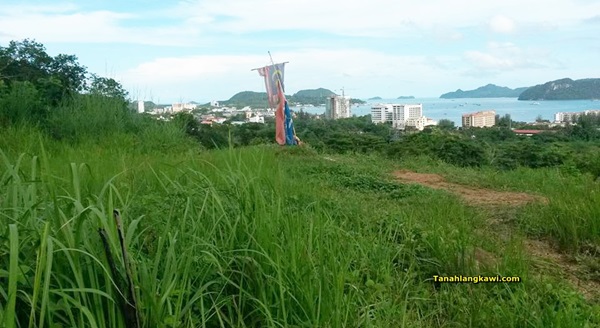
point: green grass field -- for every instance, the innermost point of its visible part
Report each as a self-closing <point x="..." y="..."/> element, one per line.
<point x="265" y="236"/>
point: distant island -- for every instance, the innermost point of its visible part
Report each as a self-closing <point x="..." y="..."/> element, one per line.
<point x="375" y="98"/>
<point x="313" y="97"/>
<point x="406" y="97"/>
<point x="564" y="89"/>
<point x="488" y="91"/>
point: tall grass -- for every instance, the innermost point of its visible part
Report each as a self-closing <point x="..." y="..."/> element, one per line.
<point x="572" y="215"/>
<point x="254" y="237"/>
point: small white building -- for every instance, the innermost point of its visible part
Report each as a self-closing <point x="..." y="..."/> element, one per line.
<point x="140" y="107"/>
<point x="256" y="119"/>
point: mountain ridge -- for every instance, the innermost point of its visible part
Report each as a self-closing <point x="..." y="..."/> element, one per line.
<point x="486" y="91"/>
<point x="313" y="97"/>
<point x="564" y="89"/>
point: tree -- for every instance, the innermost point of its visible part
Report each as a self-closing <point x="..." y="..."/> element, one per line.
<point x="447" y="125"/>
<point x="54" y="77"/>
<point x="504" y="121"/>
<point x="106" y="87"/>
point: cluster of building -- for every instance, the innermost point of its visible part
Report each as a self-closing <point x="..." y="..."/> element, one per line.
<point x="251" y="117"/>
<point x="173" y="109"/>
<point x="570" y="117"/>
<point x="401" y="116"/>
<point x="216" y="115"/>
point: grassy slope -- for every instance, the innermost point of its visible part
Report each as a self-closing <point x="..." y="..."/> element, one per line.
<point x="256" y="237"/>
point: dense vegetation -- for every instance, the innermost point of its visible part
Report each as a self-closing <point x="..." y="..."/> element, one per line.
<point x="222" y="228"/>
<point x="315" y="97"/>
<point x="487" y="91"/>
<point x="574" y="147"/>
<point x="564" y="89"/>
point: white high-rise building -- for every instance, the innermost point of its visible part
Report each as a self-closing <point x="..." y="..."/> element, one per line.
<point x="381" y="113"/>
<point x="406" y="115"/>
<point x="338" y="107"/>
<point x="140" y="108"/>
<point x="400" y="115"/>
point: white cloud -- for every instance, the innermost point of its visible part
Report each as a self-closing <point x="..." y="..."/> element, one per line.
<point x="361" y="72"/>
<point x="66" y="24"/>
<point x="502" y="24"/>
<point x="508" y="56"/>
<point x="383" y="17"/>
<point x="193" y="20"/>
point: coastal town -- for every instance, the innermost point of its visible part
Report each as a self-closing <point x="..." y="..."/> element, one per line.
<point x="401" y="116"/>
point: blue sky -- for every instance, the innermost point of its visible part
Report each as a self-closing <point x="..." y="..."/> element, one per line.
<point x="199" y="50"/>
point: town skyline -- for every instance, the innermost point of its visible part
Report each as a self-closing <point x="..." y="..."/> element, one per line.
<point x="202" y="51"/>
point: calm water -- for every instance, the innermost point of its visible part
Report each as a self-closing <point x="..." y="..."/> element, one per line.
<point x="452" y="109"/>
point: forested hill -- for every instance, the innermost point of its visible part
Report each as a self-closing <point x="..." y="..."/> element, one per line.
<point x="314" y="97"/>
<point x="487" y="91"/>
<point x="564" y="89"/>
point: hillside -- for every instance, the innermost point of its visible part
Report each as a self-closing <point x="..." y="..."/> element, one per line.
<point x="564" y="89"/>
<point x="246" y="98"/>
<point x="487" y="91"/>
<point x="313" y="97"/>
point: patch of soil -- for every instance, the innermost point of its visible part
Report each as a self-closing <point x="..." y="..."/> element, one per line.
<point x="545" y="257"/>
<point x="472" y="195"/>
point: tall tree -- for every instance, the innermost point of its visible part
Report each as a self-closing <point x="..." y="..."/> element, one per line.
<point x="54" y="77"/>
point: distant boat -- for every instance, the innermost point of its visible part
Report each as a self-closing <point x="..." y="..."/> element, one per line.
<point x="535" y="103"/>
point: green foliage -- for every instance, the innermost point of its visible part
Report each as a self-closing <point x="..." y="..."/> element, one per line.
<point x="21" y="103"/>
<point x="55" y="77"/>
<point x="446" y="125"/>
<point x="360" y="180"/>
<point x="451" y="148"/>
<point x="205" y="234"/>
<point x="35" y="88"/>
<point x="107" y="87"/>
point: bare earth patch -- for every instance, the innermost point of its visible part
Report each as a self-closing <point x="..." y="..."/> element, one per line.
<point x="472" y="195"/>
<point x="544" y="256"/>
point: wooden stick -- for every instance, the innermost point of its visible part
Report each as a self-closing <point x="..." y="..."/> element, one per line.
<point x="132" y="317"/>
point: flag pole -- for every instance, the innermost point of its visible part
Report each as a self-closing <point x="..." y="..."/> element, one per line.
<point x="283" y="91"/>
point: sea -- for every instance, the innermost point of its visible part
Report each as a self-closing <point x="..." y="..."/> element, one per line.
<point x="453" y="109"/>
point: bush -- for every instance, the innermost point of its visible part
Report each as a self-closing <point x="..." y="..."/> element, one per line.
<point x="21" y="103"/>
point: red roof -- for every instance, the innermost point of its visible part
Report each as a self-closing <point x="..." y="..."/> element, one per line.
<point x="528" y="131"/>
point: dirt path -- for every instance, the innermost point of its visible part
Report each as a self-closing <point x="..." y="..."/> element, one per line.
<point x="544" y="257"/>
<point x="472" y="195"/>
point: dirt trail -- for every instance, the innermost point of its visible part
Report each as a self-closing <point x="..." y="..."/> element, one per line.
<point x="472" y="195"/>
<point x="544" y="255"/>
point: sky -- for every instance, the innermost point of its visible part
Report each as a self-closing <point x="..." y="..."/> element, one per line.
<point x="203" y="50"/>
